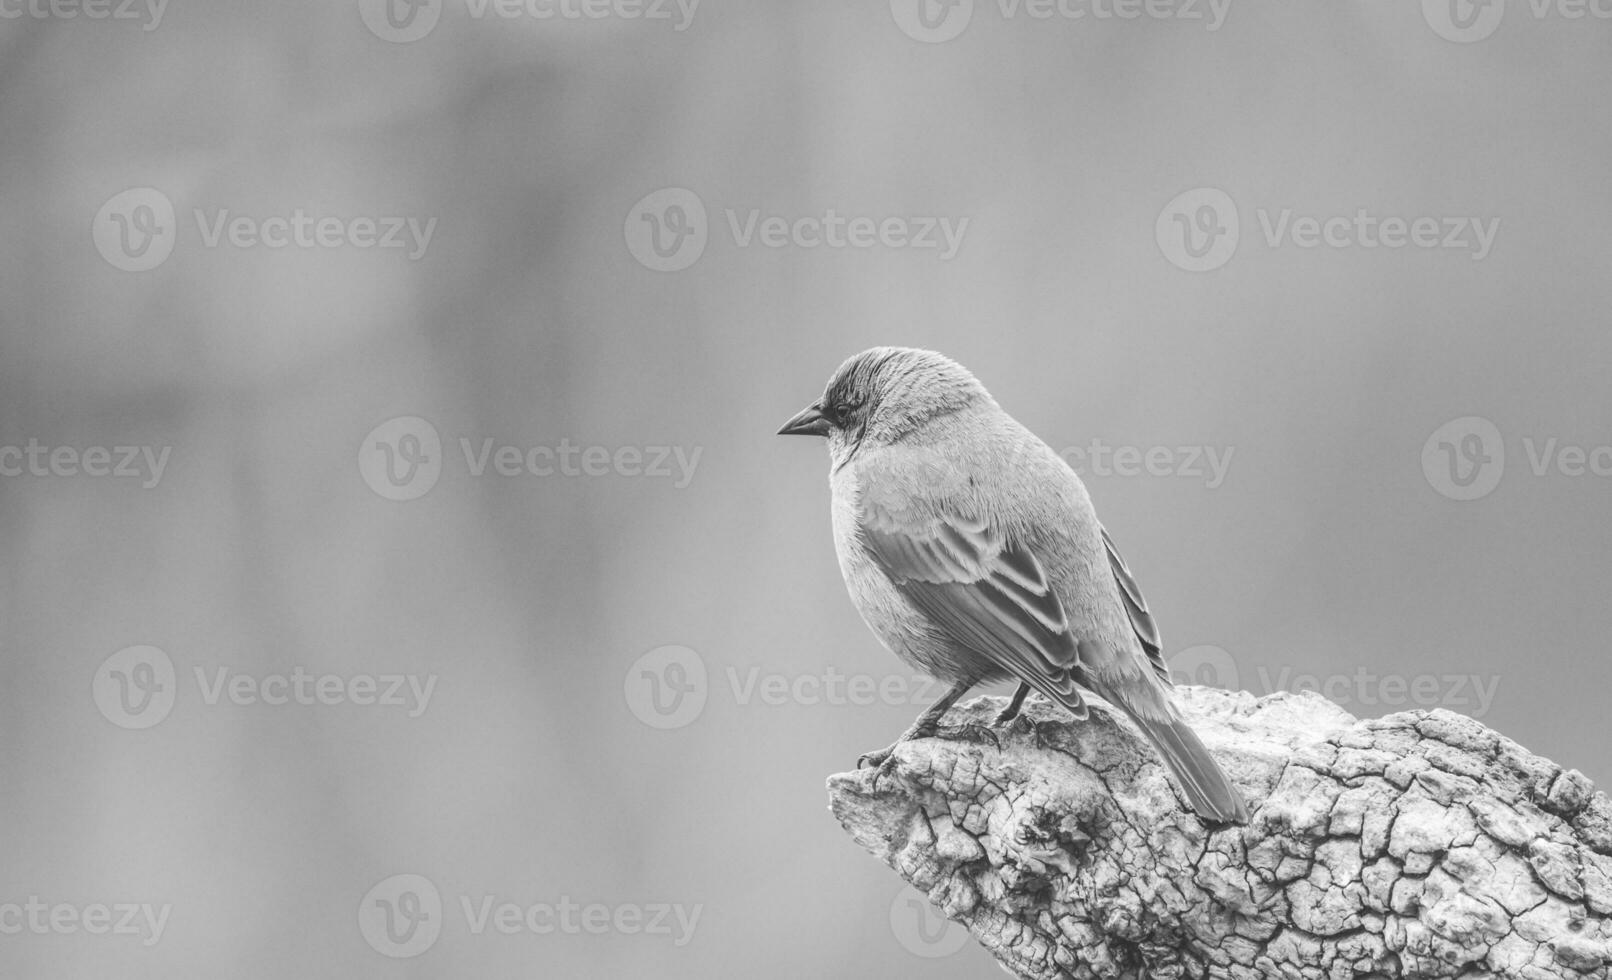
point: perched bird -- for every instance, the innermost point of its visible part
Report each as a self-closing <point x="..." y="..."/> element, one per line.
<point x="972" y="551"/>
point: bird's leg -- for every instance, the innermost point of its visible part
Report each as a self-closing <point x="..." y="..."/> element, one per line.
<point x="926" y="726"/>
<point x="1012" y="710"/>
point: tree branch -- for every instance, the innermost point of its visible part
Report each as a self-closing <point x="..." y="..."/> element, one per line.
<point x="1418" y="845"/>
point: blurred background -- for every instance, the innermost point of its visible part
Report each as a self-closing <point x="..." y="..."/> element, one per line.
<point x="316" y="265"/>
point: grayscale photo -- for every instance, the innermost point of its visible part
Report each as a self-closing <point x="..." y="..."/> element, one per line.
<point x="691" y="489"/>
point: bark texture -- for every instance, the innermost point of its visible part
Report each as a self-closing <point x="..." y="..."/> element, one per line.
<point x="1422" y="844"/>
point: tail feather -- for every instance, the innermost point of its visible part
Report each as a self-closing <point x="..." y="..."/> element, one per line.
<point x="1212" y="795"/>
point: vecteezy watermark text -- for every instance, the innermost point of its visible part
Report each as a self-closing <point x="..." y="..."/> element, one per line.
<point x="571" y="460"/>
<point x="302" y="230"/>
<point x="938" y="21"/>
<point x="137" y="687"/>
<point x="667" y="688"/>
<point x="143" y="463"/>
<point x="407" y="21"/>
<point x="1473" y="693"/>
<point x="1214" y="666"/>
<point x="403" y="916"/>
<point x="408" y="691"/>
<point x="137" y="230"/>
<point x="1200" y="231"/>
<point x="43" y="918"/>
<point x="1097" y="458"/>
<point x="574" y="918"/>
<point x="402" y="459"/>
<point x="147" y="12"/>
<point x="668" y="231"/>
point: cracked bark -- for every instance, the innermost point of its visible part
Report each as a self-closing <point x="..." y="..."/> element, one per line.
<point x="1422" y="844"/>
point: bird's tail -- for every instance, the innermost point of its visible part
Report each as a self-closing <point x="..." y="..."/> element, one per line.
<point x="1212" y="795"/>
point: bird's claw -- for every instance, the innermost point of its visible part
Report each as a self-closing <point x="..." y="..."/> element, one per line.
<point x="1006" y="718"/>
<point x="884" y="760"/>
<point x="1010" y="726"/>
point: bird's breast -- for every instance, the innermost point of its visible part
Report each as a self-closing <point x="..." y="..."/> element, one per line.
<point x="898" y="625"/>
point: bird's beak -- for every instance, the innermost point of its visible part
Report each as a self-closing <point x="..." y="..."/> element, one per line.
<point x="808" y="421"/>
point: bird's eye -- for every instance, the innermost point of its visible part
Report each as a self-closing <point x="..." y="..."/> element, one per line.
<point x="841" y="412"/>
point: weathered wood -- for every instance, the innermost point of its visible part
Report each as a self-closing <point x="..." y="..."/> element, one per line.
<point x="1422" y="844"/>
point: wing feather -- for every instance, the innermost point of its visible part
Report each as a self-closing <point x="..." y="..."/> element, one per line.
<point x="986" y="593"/>
<point x="1147" y="630"/>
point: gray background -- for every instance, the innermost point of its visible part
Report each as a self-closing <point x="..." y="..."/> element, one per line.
<point x="1326" y="550"/>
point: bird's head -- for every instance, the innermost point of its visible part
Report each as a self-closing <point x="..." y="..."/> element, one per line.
<point x="883" y="395"/>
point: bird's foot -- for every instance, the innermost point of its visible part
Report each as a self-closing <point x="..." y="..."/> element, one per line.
<point x="875" y="759"/>
<point x="884" y="759"/>
<point x="1010" y="711"/>
<point x="1005" y="718"/>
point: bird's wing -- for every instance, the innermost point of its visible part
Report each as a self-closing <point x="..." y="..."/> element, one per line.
<point x="1141" y="620"/>
<point x="985" y="592"/>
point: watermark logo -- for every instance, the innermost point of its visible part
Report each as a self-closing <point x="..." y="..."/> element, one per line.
<point x="1464" y="21"/>
<point x="667" y="230"/>
<point x="1464" y="459"/>
<point x="401" y="917"/>
<point x="932" y="21"/>
<point x="1199" y="230"/>
<point x="1471" y="21"/>
<point x="920" y="929"/>
<point x="1205" y="666"/>
<point x="667" y="688"/>
<point x="401" y="459"/>
<point x="136" y="230"/>
<point x="136" y="687"/>
<point x="400" y="21"/>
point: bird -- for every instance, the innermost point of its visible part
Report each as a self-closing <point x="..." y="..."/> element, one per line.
<point x="973" y="552"/>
